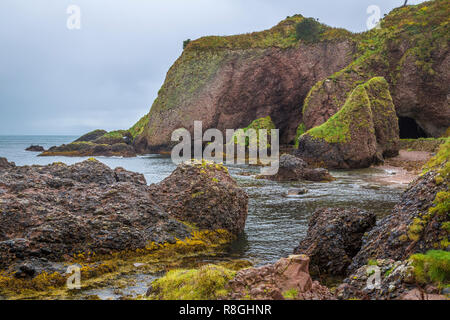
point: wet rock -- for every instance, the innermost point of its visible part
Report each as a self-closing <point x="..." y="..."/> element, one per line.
<point x="296" y="192"/>
<point x="203" y="193"/>
<point x="334" y="238"/>
<point x="287" y="279"/>
<point x="35" y="148"/>
<point x="293" y="168"/>
<point x="51" y="212"/>
<point x="4" y="164"/>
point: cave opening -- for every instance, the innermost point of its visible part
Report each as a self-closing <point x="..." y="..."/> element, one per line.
<point x="409" y="129"/>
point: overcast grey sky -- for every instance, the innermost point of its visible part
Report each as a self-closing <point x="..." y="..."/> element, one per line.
<point x="106" y="75"/>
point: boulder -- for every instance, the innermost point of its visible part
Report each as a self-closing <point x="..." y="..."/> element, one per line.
<point x="203" y="193"/>
<point x="334" y="238"/>
<point x="287" y="279"/>
<point x="4" y="164"/>
<point x="91" y="136"/>
<point x="363" y="131"/>
<point x="35" y="148"/>
<point x="293" y="168"/>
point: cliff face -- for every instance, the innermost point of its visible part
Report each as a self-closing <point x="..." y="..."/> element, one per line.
<point x="411" y="51"/>
<point x="227" y="82"/>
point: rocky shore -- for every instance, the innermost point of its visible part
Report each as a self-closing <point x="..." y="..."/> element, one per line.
<point x="88" y="213"/>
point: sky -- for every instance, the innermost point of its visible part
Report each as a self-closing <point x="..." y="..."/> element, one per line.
<point x="106" y="74"/>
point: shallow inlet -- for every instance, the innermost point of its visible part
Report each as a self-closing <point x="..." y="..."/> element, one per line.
<point x="275" y="224"/>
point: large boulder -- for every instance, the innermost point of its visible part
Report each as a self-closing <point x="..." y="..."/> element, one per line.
<point x="203" y="193"/>
<point x="334" y="238"/>
<point x="292" y="168"/>
<point x="287" y="279"/>
<point x="359" y="134"/>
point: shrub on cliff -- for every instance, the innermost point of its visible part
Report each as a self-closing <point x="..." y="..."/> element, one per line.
<point x="309" y="30"/>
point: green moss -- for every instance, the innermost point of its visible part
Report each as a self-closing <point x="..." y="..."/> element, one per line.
<point x="337" y="128"/>
<point x="139" y="127"/>
<point x="432" y="267"/>
<point x="290" y="294"/>
<point x="300" y="131"/>
<point x="441" y="204"/>
<point x="206" y="283"/>
<point x="258" y="124"/>
<point x="372" y="263"/>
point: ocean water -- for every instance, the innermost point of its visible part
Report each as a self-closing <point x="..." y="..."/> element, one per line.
<point x="275" y="223"/>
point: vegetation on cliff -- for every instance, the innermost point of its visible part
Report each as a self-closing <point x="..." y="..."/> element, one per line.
<point x="356" y="110"/>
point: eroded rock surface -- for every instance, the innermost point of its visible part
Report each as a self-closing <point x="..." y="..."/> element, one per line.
<point x="287" y="279"/>
<point x="204" y="194"/>
<point x="334" y="238"/>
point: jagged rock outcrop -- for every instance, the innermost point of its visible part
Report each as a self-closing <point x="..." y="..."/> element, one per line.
<point x="334" y="238"/>
<point x="101" y="143"/>
<point x="418" y="223"/>
<point x="287" y="279"/>
<point x="363" y="131"/>
<point x="411" y="51"/>
<point x="204" y="194"/>
<point x="54" y="212"/>
<point x="292" y="168"/>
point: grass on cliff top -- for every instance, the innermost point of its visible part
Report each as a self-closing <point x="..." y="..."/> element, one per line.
<point x="206" y="283"/>
<point x="286" y="34"/>
<point x="337" y="128"/>
<point x="434" y="267"/>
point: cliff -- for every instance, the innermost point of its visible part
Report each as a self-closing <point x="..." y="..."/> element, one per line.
<point x="227" y="82"/>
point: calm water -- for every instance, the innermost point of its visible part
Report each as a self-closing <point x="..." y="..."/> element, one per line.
<point x="275" y="223"/>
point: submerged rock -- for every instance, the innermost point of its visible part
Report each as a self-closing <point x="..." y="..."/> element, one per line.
<point x="287" y="279"/>
<point x="293" y="168"/>
<point x="35" y="148"/>
<point x="334" y="238"/>
<point x="203" y="193"/>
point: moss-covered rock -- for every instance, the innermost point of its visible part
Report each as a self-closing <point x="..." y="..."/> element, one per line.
<point x="258" y="124"/>
<point x="363" y="131"/>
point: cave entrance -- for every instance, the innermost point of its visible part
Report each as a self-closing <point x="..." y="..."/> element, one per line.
<point x="409" y="129"/>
